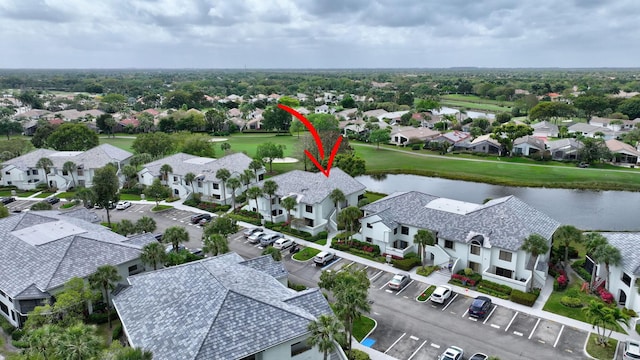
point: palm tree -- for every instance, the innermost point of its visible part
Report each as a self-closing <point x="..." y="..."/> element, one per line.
<point x="69" y="167"/>
<point x="422" y="238"/>
<point x="609" y="255"/>
<point x="129" y="173"/>
<point x="349" y="305"/>
<point x="45" y="164"/>
<point x="255" y="165"/>
<point x="153" y="254"/>
<point x="224" y="175"/>
<point x="174" y="236"/>
<point x="215" y="244"/>
<point x="246" y="177"/>
<point x="324" y="333"/>
<point x="146" y="225"/>
<point x="165" y="170"/>
<point x="593" y="241"/>
<point x="600" y="315"/>
<point x="254" y="193"/>
<point x="234" y="184"/>
<point x="348" y="219"/>
<point x="535" y="245"/>
<point x="288" y="204"/>
<point x="104" y="279"/>
<point x="86" y="195"/>
<point x="189" y="178"/>
<point x="269" y="188"/>
<point x="275" y="253"/>
<point x="337" y="196"/>
<point x="567" y="235"/>
<point x="128" y="353"/>
<point x="79" y="342"/>
<point x="126" y="227"/>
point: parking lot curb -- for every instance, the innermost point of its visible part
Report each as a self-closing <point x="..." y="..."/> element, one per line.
<point x="375" y="325"/>
<point x="584" y="349"/>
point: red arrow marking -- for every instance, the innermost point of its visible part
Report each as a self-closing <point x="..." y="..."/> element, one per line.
<point x="316" y="138"/>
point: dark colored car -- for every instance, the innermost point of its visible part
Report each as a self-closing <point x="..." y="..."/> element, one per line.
<point x="480" y="307"/>
<point x="52" y="200"/>
<point x="294" y="248"/>
<point x="195" y="219"/>
<point x="7" y="200"/>
<point x="479" y="356"/>
<point x="158" y="237"/>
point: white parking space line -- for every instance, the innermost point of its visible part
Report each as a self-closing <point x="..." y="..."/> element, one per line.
<point x="534" y="329"/>
<point x="435" y="345"/>
<point x="418" y="349"/>
<point x="375" y="276"/>
<point x="184" y="218"/>
<point x="331" y="264"/>
<point x="346" y="266"/>
<point x="414" y="338"/>
<point x="394" y="344"/>
<point x="511" y="322"/>
<point x="495" y="326"/>
<point x="383" y="286"/>
<point x="406" y="286"/>
<point x="491" y="313"/>
<point x="450" y="301"/>
<point x="518" y="333"/>
<point x="558" y="338"/>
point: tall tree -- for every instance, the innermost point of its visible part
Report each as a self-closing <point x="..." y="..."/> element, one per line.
<point x="602" y="316"/>
<point x="215" y="244"/>
<point x="567" y="235"/>
<point x="255" y="165"/>
<point x="223" y="225"/>
<point x="70" y="167"/>
<point x="609" y="255"/>
<point x="146" y="225"/>
<point x="156" y="144"/>
<point x="165" y="170"/>
<point x="275" y="118"/>
<point x="254" y="193"/>
<point x="73" y="137"/>
<point x="175" y="235"/>
<point x="325" y="332"/>
<point x="592" y="243"/>
<point x="593" y="150"/>
<point x="337" y="196"/>
<point x="268" y="152"/>
<point x="223" y="175"/>
<point x="591" y="105"/>
<point x="45" y="164"/>
<point x="153" y="254"/>
<point x="189" y="178"/>
<point x="157" y="191"/>
<point x="507" y="133"/>
<point x="126" y="227"/>
<point x="105" y="279"/>
<point x="105" y="187"/>
<point x="234" y="183"/>
<point x="348" y="219"/>
<point x="9" y="127"/>
<point x="379" y="136"/>
<point x="535" y="245"/>
<point x="423" y="238"/>
<point x="246" y="176"/>
<point x="269" y="188"/>
<point x="288" y="204"/>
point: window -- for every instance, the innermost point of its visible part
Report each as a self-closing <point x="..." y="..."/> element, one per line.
<point x="4" y="308"/>
<point x="448" y="244"/>
<point x="308" y="222"/>
<point x="80" y="172"/>
<point x="199" y="183"/>
<point x="8" y="173"/>
<point x="299" y="348"/>
<point x="504" y="272"/>
<point x="13" y="315"/>
<point x="3" y="294"/>
<point x="399" y="244"/>
<point x="274" y="201"/>
<point x="404" y="230"/>
<point x="626" y="279"/>
<point x="474" y="266"/>
<point x="309" y="209"/>
<point x="65" y="172"/>
<point x="34" y="172"/>
<point x="395" y="231"/>
<point x="369" y="226"/>
<point x="133" y="269"/>
<point x="175" y="178"/>
<point x="8" y="182"/>
<point x="216" y="196"/>
<point x="260" y="177"/>
<point x="368" y="239"/>
<point x="474" y="249"/>
<point x="176" y="192"/>
<point x="505" y="256"/>
<point x="216" y="186"/>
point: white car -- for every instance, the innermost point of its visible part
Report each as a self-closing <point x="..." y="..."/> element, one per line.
<point x="452" y="353"/>
<point x="256" y="236"/>
<point x="123" y="205"/>
<point x="283" y="243"/>
<point x="441" y="294"/>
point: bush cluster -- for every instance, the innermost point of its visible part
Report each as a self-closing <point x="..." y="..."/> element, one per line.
<point x="561" y="282"/>
<point x="347" y="245"/>
<point x="427" y="270"/>
<point x="572" y="302"/>
<point x="495" y="289"/>
<point x="101" y="318"/>
<point x="406" y="264"/>
<point x="464" y="279"/>
<point x="578" y="267"/>
<point x="359" y="355"/>
<point x="524" y="298"/>
<point x="117" y="332"/>
<point x="606" y="296"/>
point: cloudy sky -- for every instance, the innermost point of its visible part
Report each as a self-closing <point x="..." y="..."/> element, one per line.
<point x="318" y="33"/>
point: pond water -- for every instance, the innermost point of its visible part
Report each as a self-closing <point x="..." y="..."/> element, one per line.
<point x="585" y="209"/>
<point x="470" y="113"/>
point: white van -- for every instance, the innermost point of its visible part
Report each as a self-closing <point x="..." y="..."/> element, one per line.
<point x="324" y="257"/>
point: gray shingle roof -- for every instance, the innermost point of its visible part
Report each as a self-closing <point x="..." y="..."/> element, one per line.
<point x="44" y="249"/>
<point x="216" y="308"/>
<point x="266" y="265"/>
<point x="96" y="157"/>
<point x="182" y="164"/>
<point x="315" y="187"/>
<point x="629" y="245"/>
<point x="504" y="222"/>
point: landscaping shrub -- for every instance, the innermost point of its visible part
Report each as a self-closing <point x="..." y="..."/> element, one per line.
<point x="101" y="318"/>
<point x="578" y="267"/>
<point x="464" y="280"/>
<point x="561" y="282"/>
<point x="573" y="252"/>
<point x="17" y="334"/>
<point x="321" y="235"/>
<point x="494" y="288"/>
<point x="572" y="302"/>
<point x="20" y="344"/>
<point x="523" y="298"/>
<point x="296" y="287"/>
<point x="605" y="296"/>
<point x="359" y="355"/>
<point x="427" y="270"/>
<point x="416" y="147"/>
<point x="406" y="264"/>
<point x="136" y="190"/>
<point x="342" y="235"/>
<point x="629" y="312"/>
<point x="347" y="245"/>
<point x="172" y="199"/>
<point x="117" y="332"/>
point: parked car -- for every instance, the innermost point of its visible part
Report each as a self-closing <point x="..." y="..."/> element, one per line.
<point x="169" y="248"/>
<point x="631" y="350"/>
<point x="255" y="237"/>
<point x="204" y="222"/>
<point x="480" y="307"/>
<point x="197" y="251"/>
<point x="324" y="257"/>
<point x="399" y="281"/>
<point x="452" y="353"/>
<point x="251" y="231"/>
<point x="283" y="243"/>
<point x="195" y="219"/>
<point x="269" y="239"/>
<point x="123" y="205"/>
<point x="7" y="200"/>
<point x="479" y="356"/>
<point x="441" y="294"/>
<point x="52" y="200"/>
<point x="583" y="165"/>
<point x="294" y="248"/>
<point x="158" y="237"/>
<point x="112" y="205"/>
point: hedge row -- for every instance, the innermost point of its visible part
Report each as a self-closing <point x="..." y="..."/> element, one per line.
<point x="101" y="318"/>
<point x="117" y="332"/>
<point x="578" y="267"/>
<point x="495" y="288"/>
<point x="571" y="302"/>
<point x="523" y="298"/>
<point x="407" y="263"/>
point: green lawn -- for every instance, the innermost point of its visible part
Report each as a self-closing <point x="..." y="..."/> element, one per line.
<point x="362" y="326"/>
<point x="599" y="352"/>
<point x="66" y="195"/>
<point x="161" y="208"/>
<point x="129" y="197"/>
<point x="122" y="143"/>
<point x="373" y="196"/>
<point x="43" y="195"/>
<point x="306" y="254"/>
<point x="476" y="99"/>
<point x="475" y="106"/>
